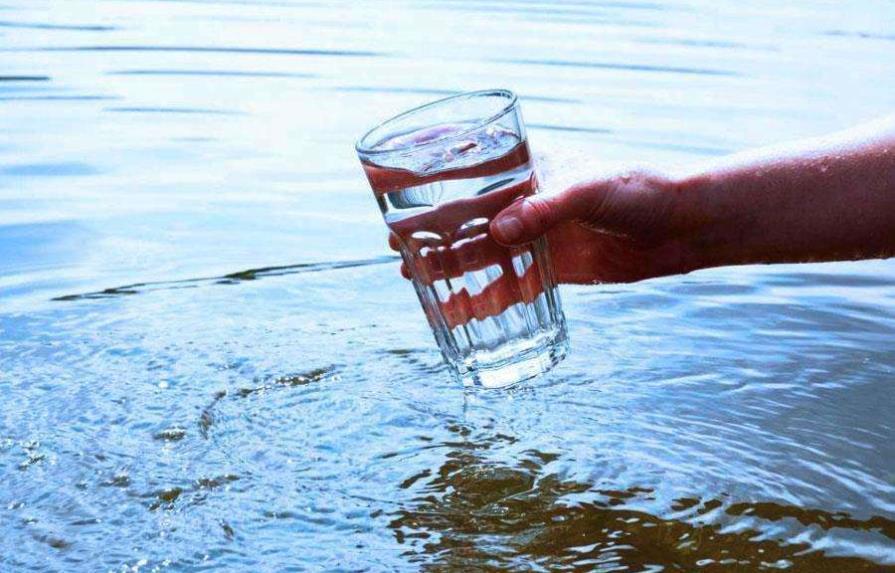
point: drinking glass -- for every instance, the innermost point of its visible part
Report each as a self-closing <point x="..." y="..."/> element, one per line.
<point x="440" y="173"/>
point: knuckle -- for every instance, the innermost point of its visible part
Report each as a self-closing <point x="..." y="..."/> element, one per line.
<point x="639" y="176"/>
<point x="540" y="209"/>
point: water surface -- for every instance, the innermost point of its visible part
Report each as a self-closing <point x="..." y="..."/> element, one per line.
<point x="208" y="360"/>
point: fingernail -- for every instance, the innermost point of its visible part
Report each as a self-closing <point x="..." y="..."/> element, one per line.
<point x="509" y="228"/>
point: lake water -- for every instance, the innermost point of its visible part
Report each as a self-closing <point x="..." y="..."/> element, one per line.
<point x="209" y="361"/>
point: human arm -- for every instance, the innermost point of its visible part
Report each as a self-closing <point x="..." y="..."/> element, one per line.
<point x="824" y="199"/>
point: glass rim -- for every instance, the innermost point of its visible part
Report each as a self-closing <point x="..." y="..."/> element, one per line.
<point x="510" y="105"/>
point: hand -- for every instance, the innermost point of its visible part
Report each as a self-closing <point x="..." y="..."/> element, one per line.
<point x="621" y="229"/>
<point x="819" y="200"/>
<point x="454" y="241"/>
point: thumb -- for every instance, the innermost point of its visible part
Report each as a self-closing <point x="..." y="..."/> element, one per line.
<point x="525" y="220"/>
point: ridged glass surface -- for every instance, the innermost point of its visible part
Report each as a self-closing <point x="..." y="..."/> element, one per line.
<point x="494" y="310"/>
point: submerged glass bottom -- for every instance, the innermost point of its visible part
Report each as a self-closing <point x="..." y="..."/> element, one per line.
<point x="515" y="362"/>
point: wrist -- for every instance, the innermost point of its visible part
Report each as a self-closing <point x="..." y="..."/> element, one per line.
<point x="713" y="230"/>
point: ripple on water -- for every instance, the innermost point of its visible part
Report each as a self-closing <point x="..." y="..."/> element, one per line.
<point x="233" y="376"/>
<point x="472" y="511"/>
<point x="55" y="169"/>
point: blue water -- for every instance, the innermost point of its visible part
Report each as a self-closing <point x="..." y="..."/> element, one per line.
<point x="209" y="362"/>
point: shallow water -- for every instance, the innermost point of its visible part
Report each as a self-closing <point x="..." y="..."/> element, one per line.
<point x="208" y="360"/>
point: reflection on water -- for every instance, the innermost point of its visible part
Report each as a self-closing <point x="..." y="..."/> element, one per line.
<point x="208" y="360"/>
<point x="471" y="514"/>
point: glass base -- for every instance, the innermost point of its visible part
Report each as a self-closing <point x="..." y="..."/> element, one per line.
<point x="513" y="363"/>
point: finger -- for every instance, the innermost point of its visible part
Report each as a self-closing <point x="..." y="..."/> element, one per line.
<point x="437" y="262"/>
<point x="495" y="298"/>
<point x="526" y="220"/>
<point x="394" y="242"/>
<point x="463" y="257"/>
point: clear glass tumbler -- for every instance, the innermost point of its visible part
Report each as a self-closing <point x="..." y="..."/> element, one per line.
<point x="440" y="173"/>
